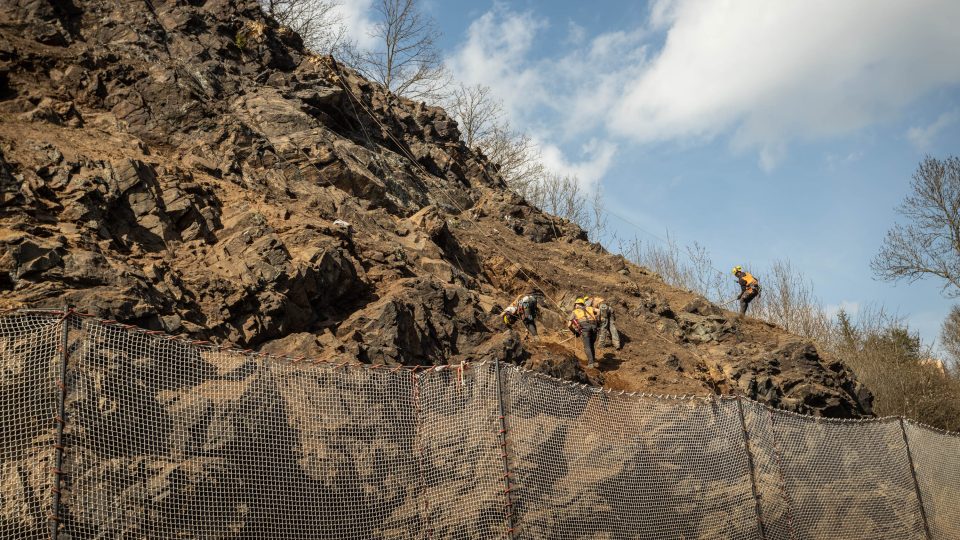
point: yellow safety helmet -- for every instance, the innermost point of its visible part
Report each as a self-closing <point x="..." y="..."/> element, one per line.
<point x="736" y="269"/>
<point x="581" y="300"/>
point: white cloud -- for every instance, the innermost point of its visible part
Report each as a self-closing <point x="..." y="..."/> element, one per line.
<point x="922" y="137"/>
<point x="834" y="161"/>
<point x="662" y="13"/>
<point x="596" y="157"/>
<point x="771" y="154"/>
<point x="759" y="74"/>
<point x="575" y="33"/>
<point x="771" y="72"/>
<point x="355" y="15"/>
<point x="556" y="99"/>
<point x="495" y="55"/>
<point x="585" y="82"/>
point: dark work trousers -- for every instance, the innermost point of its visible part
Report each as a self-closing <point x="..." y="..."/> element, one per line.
<point x="608" y="328"/>
<point x="588" y="332"/>
<point x="531" y="326"/>
<point x="529" y="314"/>
<point x="745" y="300"/>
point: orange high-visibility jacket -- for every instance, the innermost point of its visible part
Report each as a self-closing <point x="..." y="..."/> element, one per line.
<point x="747" y="281"/>
<point x="585" y="314"/>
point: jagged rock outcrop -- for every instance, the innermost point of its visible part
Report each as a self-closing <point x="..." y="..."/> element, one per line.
<point x="190" y="167"/>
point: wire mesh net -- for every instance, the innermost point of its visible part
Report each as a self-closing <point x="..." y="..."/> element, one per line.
<point x="846" y="479"/>
<point x="772" y="497"/>
<point x="168" y="439"/>
<point x="594" y="465"/>
<point x="460" y="454"/>
<point x="30" y="362"/>
<point x="174" y="441"/>
<point x="936" y="459"/>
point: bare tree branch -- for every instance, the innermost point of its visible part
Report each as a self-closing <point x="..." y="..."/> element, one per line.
<point x="476" y="111"/>
<point x="406" y="61"/>
<point x="929" y="245"/>
<point x="598" y="215"/>
<point x="316" y="21"/>
<point x="517" y="156"/>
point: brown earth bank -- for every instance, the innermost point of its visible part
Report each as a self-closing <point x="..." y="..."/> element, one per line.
<point x="181" y="165"/>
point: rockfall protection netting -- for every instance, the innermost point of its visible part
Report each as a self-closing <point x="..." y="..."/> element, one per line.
<point x="167" y="438"/>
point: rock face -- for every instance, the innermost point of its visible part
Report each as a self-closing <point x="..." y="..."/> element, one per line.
<point x="189" y="167"/>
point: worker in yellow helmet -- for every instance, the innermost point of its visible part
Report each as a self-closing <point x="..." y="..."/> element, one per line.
<point x="583" y="322"/>
<point x="608" y="326"/>
<point x="749" y="288"/>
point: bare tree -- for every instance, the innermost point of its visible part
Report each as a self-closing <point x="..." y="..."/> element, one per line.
<point x="517" y="157"/>
<point x="316" y="21"/>
<point x="930" y="244"/>
<point x="562" y="196"/>
<point x="407" y="60"/>
<point x="598" y="215"/>
<point x="479" y="115"/>
<point x="482" y="127"/>
<point x="476" y="111"/>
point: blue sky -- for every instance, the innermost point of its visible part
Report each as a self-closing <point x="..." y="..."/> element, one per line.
<point x="762" y="130"/>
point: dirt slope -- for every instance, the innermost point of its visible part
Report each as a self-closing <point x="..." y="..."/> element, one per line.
<point x="180" y="165"/>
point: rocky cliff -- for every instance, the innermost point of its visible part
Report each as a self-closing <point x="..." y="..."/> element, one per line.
<point x="182" y="165"/>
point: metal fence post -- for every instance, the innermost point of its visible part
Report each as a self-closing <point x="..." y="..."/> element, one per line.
<point x="506" y="462"/>
<point x="61" y="421"/>
<point x="916" y="484"/>
<point x="753" y="474"/>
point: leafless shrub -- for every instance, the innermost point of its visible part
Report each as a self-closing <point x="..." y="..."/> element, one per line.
<point x="688" y="268"/>
<point x="787" y="300"/>
<point x="480" y="118"/>
<point x="706" y="279"/>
